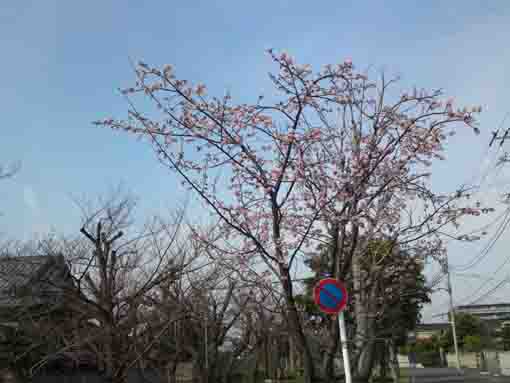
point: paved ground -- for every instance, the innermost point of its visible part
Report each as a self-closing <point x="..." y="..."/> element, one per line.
<point x="451" y="375"/>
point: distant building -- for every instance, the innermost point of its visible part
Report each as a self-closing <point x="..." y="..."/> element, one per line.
<point x="494" y="318"/>
<point x="492" y="312"/>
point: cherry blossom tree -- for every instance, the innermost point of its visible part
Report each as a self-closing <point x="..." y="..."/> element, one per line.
<point x="336" y="155"/>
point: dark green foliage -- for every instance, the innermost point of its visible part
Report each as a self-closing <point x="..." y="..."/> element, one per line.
<point x="472" y="343"/>
<point x="381" y="379"/>
<point x="505" y="335"/>
<point x="401" y="288"/>
<point x="427" y="352"/>
<point x="466" y="325"/>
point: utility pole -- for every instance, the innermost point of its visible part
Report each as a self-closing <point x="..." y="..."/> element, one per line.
<point x="452" y="315"/>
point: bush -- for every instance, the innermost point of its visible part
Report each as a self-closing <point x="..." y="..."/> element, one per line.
<point x="472" y="343"/>
<point x="429" y="358"/>
<point x="380" y="379"/>
<point x="404" y="350"/>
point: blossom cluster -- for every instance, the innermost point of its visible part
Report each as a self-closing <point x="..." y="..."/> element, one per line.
<point x="332" y="149"/>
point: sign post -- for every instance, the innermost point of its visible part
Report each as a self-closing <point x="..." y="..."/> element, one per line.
<point x="345" y="350"/>
<point x="331" y="297"/>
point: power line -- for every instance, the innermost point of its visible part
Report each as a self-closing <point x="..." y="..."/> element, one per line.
<point x="483" y="253"/>
<point x="472" y="275"/>
<point x="485" y="173"/>
<point x="488" y="248"/>
<point x="506" y="214"/>
<point x="490" y="292"/>
<point x="495" y="134"/>
<point x="501" y="142"/>
<point x="495" y="137"/>
<point x="477" y="259"/>
<point x="499" y="232"/>
<point x="439" y="276"/>
<point x="501" y="283"/>
<point x="486" y="154"/>
<point x="437" y="279"/>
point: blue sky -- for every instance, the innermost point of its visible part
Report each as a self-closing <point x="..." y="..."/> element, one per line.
<point x="62" y="62"/>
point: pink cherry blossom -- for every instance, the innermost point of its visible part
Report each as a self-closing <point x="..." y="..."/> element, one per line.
<point x="200" y="91"/>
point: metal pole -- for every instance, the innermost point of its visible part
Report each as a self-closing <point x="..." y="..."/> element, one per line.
<point x="452" y="315"/>
<point x="345" y="350"/>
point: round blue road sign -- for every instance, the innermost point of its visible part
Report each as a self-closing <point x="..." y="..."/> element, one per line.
<point x="330" y="295"/>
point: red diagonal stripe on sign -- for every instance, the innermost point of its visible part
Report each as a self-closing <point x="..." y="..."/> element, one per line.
<point x="323" y="288"/>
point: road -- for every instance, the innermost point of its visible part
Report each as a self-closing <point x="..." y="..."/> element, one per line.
<point x="451" y="375"/>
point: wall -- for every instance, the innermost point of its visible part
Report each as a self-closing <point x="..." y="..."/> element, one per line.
<point x="497" y="362"/>
<point x="403" y="362"/>
<point x="467" y="360"/>
<point x="504" y="361"/>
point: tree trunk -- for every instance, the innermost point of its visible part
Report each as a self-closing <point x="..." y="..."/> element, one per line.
<point x="266" y="357"/>
<point x="364" y="342"/>
<point x="292" y="364"/>
<point x="363" y="368"/>
<point x="296" y="327"/>
<point x="381" y="351"/>
<point x="329" y="360"/>
<point x="171" y="372"/>
<point x="256" y="369"/>
<point x="198" y="369"/>
<point x="393" y="356"/>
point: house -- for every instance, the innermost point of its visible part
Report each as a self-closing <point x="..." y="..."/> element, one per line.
<point x="29" y="282"/>
<point x="33" y="292"/>
<point x="494" y="317"/>
<point x="428" y="330"/>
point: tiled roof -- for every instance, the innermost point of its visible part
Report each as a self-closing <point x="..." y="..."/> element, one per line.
<point x="22" y="272"/>
<point x="431" y="326"/>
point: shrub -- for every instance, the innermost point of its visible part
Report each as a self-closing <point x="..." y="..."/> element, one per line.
<point x="472" y="343"/>
<point x="429" y="358"/>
